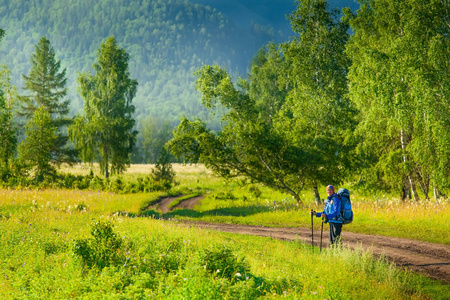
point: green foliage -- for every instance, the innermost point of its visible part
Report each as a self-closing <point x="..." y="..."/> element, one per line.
<point x="221" y="261"/>
<point x="105" y="248"/>
<point x="36" y="151"/>
<point x="153" y="135"/>
<point x="163" y="172"/>
<point x="317" y="116"/>
<point x="106" y="129"/>
<point x="8" y="138"/>
<point x="398" y="80"/>
<point x="46" y="87"/>
<point x="167" y="40"/>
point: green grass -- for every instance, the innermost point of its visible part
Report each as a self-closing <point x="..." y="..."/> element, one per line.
<point x="156" y="259"/>
<point x="163" y="260"/>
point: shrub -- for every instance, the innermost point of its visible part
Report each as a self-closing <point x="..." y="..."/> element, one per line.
<point x="104" y="249"/>
<point x="222" y="262"/>
<point x="97" y="183"/>
<point x="117" y="185"/>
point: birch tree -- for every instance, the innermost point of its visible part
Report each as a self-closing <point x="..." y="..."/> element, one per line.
<point x="399" y="81"/>
<point x="105" y="132"/>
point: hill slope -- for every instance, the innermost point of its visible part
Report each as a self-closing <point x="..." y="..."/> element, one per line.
<point x="166" y="39"/>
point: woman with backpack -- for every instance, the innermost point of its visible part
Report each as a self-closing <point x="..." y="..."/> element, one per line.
<point x="331" y="214"/>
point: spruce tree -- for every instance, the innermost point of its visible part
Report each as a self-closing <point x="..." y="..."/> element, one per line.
<point x="46" y="86"/>
<point x="36" y="150"/>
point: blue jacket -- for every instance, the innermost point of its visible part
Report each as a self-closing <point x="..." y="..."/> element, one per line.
<point x="332" y="209"/>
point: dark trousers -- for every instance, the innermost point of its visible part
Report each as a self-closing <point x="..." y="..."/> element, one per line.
<point x="335" y="232"/>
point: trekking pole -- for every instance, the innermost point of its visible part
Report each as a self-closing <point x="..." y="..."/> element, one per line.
<point x="321" y="234"/>
<point x="312" y="231"/>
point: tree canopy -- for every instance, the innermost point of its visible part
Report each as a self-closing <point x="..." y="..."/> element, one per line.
<point x="166" y="40"/>
<point x="106" y="130"/>
<point x="399" y="79"/>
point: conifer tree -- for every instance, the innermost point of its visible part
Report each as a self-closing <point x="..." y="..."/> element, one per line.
<point x="105" y="132"/>
<point x="46" y="86"/>
<point x="36" y="150"/>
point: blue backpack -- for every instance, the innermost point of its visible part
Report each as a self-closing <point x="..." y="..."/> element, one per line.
<point x="346" y="206"/>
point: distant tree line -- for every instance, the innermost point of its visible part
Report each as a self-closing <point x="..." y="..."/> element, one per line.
<point x="328" y="107"/>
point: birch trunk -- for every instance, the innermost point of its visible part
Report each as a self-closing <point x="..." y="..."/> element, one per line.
<point x="412" y="185"/>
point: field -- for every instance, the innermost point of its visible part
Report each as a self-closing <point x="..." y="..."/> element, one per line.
<point x="63" y="244"/>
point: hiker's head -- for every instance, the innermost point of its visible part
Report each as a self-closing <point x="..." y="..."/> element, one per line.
<point x="330" y="190"/>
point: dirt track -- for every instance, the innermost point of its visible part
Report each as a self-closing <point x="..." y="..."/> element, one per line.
<point x="430" y="259"/>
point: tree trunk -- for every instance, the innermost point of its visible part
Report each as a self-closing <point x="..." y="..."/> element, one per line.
<point x="424" y="183"/>
<point x="316" y="195"/>
<point x="412" y="185"/>
<point x="437" y="194"/>
<point x="297" y="198"/>
<point x="414" y="189"/>
<point x="406" y="190"/>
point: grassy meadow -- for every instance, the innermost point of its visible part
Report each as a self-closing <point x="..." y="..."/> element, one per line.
<point x="70" y="244"/>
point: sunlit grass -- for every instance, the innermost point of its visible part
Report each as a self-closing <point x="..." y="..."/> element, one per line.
<point x="73" y="200"/>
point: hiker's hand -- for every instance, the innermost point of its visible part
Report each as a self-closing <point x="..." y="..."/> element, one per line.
<point x="313" y="213"/>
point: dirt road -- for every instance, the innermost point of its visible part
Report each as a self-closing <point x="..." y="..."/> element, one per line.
<point x="429" y="259"/>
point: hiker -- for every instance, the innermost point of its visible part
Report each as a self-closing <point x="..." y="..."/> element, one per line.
<point x="331" y="214"/>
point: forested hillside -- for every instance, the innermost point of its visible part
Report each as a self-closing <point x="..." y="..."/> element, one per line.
<point x="166" y="40"/>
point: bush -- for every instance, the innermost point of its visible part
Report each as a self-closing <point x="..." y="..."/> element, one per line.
<point x="104" y="249"/>
<point x="222" y="262"/>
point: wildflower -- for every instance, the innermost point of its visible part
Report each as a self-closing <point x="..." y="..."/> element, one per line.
<point x="238" y="274"/>
<point x="218" y="271"/>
